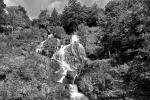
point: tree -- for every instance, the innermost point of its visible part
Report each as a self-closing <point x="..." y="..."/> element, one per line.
<point x="55" y="18"/>
<point x="93" y="14"/>
<point x="17" y="17"/>
<point x="127" y="39"/>
<point x="95" y="80"/>
<point x="123" y="34"/>
<point x="54" y="14"/>
<point x="43" y="18"/>
<point x="72" y="2"/>
<point x="72" y="16"/>
<point x="46" y="21"/>
<point x="2" y="13"/>
<point x="35" y="22"/>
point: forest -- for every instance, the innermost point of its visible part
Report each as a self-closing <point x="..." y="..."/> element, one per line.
<point x="116" y="40"/>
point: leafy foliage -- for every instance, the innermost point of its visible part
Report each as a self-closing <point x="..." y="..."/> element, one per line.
<point x="57" y="31"/>
<point x="17" y="17"/>
<point x="55" y="18"/>
<point x="90" y="38"/>
<point x="29" y="78"/>
<point x="43" y="19"/>
<point x="119" y="34"/>
<point x="93" y="15"/>
<point x="124" y="31"/>
<point x="95" y="79"/>
<point x="72" y="16"/>
<point x="2" y="13"/>
<point x="125" y="40"/>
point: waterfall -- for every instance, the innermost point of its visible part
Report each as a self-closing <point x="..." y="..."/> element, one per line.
<point x="74" y="39"/>
<point x="39" y="48"/>
<point x="6" y="11"/>
<point x="60" y="56"/>
<point x="74" y="94"/>
<point x="65" y="56"/>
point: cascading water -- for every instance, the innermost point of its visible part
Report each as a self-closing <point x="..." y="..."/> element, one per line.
<point x="66" y="56"/>
<point x="40" y="46"/>
<point x="74" y="94"/>
<point x="71" y="58"/>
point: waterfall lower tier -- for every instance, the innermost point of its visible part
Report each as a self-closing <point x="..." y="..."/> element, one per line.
<point x="74" y="94"/>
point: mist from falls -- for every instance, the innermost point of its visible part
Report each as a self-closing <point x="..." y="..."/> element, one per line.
<point x="62" y="56"/>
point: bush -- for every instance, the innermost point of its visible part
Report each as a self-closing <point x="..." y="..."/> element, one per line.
<point x="30" y="77"/>
<point x="19" y="42"/>
<point x="50" y="46"/>
<point x="32" y="34"/>
<point x="137" y="79"/>
<point x="57" y="31"/>
<point x="90" y="38"/>
<point x="95" y="79"/>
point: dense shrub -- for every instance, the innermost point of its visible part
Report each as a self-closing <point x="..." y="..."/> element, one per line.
<point x="122" y="36"/>
<point x="57" y="31"/>
<point x="32" y="34"/>
<point x="17" y="17"/>
<point x="2" y="15"/>
<point x="95" y="79"/>
<point x="30" y="77"/>
<point x="21" y="41"/>
<point x="90" y="38"/>
<point x="50" y="46"/>
<point x="137" y="79"/>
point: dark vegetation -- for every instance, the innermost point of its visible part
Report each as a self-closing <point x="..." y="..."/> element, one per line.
<point x="116" y="40"/>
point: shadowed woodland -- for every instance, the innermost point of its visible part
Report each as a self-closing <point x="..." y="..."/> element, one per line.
<point x="116" y="41"/>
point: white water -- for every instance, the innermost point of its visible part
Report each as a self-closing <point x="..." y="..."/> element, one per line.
<point x="74" y="94"/>
<point x="6" y="11"/>
<point x="59" y="56"/>
<point x="39" y="48"/>
<point x="74" y="39"/>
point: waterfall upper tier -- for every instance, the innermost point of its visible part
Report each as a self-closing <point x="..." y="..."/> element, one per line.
<point x="71" y="56"/>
